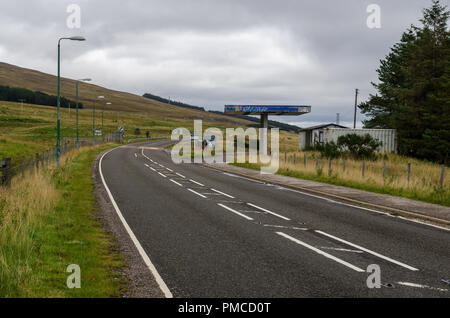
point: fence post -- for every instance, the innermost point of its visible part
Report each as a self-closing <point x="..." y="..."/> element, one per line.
<point x="441" y="180"/>
<point x="409" y="171"/>
<point x="304" y="159"/>
<point x="284" y="157"/>
<point x="37" y="162"/>
<point x="31" y="165"/>
<point x="363" y="167"/>
<point x="384" y="169"/>
<point x="294" y="158"/>
<point x="5" y="165"/>
<point x="22" y="167"/>
<point x="42" y="160"/>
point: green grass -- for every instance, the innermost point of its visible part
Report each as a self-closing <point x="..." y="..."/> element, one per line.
<point x="55" y="233"/>
<point x="437" y="196"/>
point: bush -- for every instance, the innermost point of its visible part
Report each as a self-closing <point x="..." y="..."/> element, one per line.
<point x="137" y="131"/>
<point x="359" y="147"/>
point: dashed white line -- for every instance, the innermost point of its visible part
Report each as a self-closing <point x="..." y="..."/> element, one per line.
<point x="270" y="212"/>
<point x="199" y="194"/>
<point x="176" y="183"/>
<point x="227" y="195"/>
<point x="368" y="251"/>
<point x="197" y="182"/>
<point x="421" y="286"/>
<point x="234" y="211"/>
<point x="180" y="175"/>
<point x="162" y="175"/>
<point x="340" y="261"/>
<point x="153" y="169"/>
<point x="168" y="169"/>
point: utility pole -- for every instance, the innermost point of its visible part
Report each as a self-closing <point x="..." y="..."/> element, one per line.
<point x="356" y="103"/>
<point x="337" y="118"/>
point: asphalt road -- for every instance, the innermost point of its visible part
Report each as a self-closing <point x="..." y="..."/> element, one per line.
<point x="212" y="234"/>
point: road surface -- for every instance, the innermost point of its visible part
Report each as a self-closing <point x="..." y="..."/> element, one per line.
<point x="211" y="234"/>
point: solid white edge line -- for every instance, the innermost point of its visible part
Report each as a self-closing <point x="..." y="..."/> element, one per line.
<point x="176" y="183"/>
<point x="273" y="213"/>
<point x="180" y="175"/>
<point x="162" y="285"/>
<point x="368" y="251"/>
<point x="234" y="211"/>
<point x="227" y="195"/>
<point x="163" y="175"/>
<point x="197" y="182"/>
<point x="318" y="251"/>
<point x="199" y="194"/>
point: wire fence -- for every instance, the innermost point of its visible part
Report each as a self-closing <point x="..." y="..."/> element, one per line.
<point x="28" y="165"/>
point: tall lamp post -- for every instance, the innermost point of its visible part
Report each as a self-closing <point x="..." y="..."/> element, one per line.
<point x="93" y="120"/>
<point x="58" y="103"/>
<point x="103" y="110"/>
<point x="76" y="85"/>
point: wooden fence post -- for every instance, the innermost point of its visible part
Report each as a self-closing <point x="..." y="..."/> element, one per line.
<point x="363" y="167"/>
<point x="294" y="158"/>
<point x="31" y="165"/>
<point x="22" y="167"/>
<point x="37" y="162"/>
<point x="5" y="165"/>
<point x="304" y="159"/>
<point x="409" y="171"/>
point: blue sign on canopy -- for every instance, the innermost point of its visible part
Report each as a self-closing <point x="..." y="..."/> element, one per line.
<point x="267" y="109"/>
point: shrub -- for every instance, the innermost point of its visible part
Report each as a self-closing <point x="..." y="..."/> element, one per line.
<point x="359" y="147"/>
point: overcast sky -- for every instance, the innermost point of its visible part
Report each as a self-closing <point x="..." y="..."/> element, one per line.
<point x="211" y="53"/>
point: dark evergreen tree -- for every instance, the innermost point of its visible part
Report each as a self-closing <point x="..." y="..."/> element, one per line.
<point x="413" y="93"/>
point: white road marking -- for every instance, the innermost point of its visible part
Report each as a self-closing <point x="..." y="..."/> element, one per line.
<point x="199" y="194"/>
<point x="421" y="286"/>
<point x="234" y="211"/>
<point x="161" y="165"/>
<point x="153" y="169"/>
<point x="340" y="261"/>
<point x="162" y="285"/>
<point x="176" y="183"/>
<point x="287" y="227"/>
<point x="168" y="169"/>
<point x="197" y="182"/>
<point x="270" y="212"/>
<point x="146" y="165"/>
<point x="162" y="175"/>
<point x="368" y="251"/>
<point x="180" y="175"/>
<point x="340" y="249"/>
<point x="220" y="192"/>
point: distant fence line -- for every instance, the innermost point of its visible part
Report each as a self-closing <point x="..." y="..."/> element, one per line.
<point x="29" y="165"/>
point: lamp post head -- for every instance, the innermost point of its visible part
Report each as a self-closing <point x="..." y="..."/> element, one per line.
<point x="77" y="38"/>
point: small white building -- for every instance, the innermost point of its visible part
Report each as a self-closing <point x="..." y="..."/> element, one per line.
<point x="331" y="132"/>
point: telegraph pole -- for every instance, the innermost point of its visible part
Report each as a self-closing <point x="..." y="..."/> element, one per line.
<point x="356" y="103"/>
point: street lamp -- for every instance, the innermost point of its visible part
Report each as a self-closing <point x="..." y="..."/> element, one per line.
<point x="93" y="120"/>
<point x="103" y="110"/>
<point x="76" y="85"/>
<point x="58" y="120"/>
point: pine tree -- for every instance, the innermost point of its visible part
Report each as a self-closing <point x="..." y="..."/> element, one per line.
<point x="413" y="93"/>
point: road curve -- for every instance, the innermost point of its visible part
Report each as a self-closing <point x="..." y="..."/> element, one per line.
<point x="212" y="234"/>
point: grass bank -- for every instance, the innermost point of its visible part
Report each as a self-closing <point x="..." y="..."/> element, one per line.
<point x="47" y="224"/>
<point x="423" y="183"/>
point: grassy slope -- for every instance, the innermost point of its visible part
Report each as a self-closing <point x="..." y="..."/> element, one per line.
<point x="54" y="228"/>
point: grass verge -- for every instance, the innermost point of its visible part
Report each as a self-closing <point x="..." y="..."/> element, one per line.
<point x="47" y="224"/>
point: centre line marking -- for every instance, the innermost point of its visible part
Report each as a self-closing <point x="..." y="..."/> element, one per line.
<point x="168" y="169"/>
<point x="340" y="261"/>
<point x="197" y="182"/>
<point x="153" y="169"/>
<point x="199" y="194"/>
<point x="176" y="183"/>
<point x="227" y="195"/>
<point x="270" y="212"/>
<point x="179" y="175"/>
<point x="234" y="211"/>
<point x="368" y="251"/>
<point x="162" y="174"/>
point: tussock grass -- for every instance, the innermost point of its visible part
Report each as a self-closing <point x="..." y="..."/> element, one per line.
<point x="46" y="224"/>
